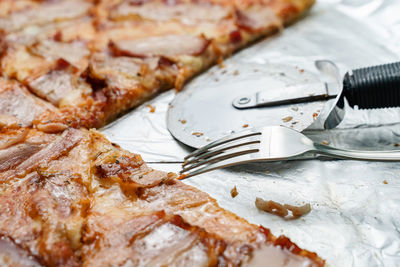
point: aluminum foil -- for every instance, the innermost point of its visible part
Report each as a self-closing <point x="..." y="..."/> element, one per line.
<point x="355" y="217"/>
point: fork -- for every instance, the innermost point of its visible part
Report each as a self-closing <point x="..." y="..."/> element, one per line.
<point x="269" y="144"/>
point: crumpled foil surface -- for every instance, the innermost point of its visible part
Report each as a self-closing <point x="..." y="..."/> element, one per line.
<point x="355" y="217"/>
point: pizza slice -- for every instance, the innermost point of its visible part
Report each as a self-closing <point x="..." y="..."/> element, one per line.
<point x="75" y="199"/>
<point x="93" y="61"/>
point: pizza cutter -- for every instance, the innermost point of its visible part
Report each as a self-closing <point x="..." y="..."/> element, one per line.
<point x="245" y="95"/>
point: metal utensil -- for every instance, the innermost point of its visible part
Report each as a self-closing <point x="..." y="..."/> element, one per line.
<point x="203" y="111"/>
<point x="273" y="95"/>
<point x="367" y="88"/>
<point x="371" y="87"/>
<point x="269" y="144"/>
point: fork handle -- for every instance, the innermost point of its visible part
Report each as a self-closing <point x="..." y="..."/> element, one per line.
<point x="390" y="155"/>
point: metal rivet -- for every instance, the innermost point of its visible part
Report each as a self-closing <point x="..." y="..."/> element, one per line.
<point x="244" y="100"/>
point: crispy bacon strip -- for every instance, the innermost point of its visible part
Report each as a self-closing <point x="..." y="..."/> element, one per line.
<point x="45" y="13"/>
<point x="52" y="151"/>
<point x="15" y="100"/>
<point x="59" y="83"/>
<point x="256" y="18"/>
<point x="74" y="53"/>
<point x="167" y="45"/>
<point x="11" y="157"/>
<point x="186" y="13"/>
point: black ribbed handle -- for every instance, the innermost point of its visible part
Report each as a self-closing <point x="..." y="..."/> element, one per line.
<point x="373" y="87"/>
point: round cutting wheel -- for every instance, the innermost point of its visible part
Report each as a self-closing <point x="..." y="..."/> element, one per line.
<point x="203" y="111"/>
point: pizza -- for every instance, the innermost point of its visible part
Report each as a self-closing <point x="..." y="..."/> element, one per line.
<point x="69" y="197"/>
<point x="82" y="63"/>
<point x="75" y="199"/>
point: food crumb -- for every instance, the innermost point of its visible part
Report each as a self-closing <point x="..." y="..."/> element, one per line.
<point x="295" y="108"/>
<point x="282" y="210"/>
<point x="245" y="126"/>
<point x="234" y="192"/>
<point x="385" y="182"/>
<point x="152" y="108"/>
<point x="301" y="70"/>
<point x="183" y="121"/>
<point x="396" y="145"/>
<point x="315" y="115"/>
<point x="236" y="72"/>
<point x="198" y="134"/>
<point x="325" y="143"/>
<point x="287" y="119"/>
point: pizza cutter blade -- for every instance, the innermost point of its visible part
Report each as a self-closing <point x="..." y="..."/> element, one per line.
<point x="241" y="95"/>
<point x="204" y="112"/>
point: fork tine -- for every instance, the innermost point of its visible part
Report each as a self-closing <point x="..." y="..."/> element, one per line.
<point x="221" y="141"/>
<point x="216" y="159"/>
<point x="217" y="165"/>
<point x="219" y="150"/>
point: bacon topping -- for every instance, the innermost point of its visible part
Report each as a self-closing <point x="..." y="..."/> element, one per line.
<point x="123" y="72"/>
<point x="44" y="14"/>
<point x="54" y="150"/>
<point x="11" y="157"/>
<point x="102" y="65"/>
<point x="187" y="13"/>
<point x="256" y="18"/>
<point x="18" y="102"/>
<point x="44" y="213"/>
<point x="149" y="240"/>
<point x="53" y="86"/>
<point x="171" y="243"/>
<point x="74" y="52"/>
<point x="167" y="45"/>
